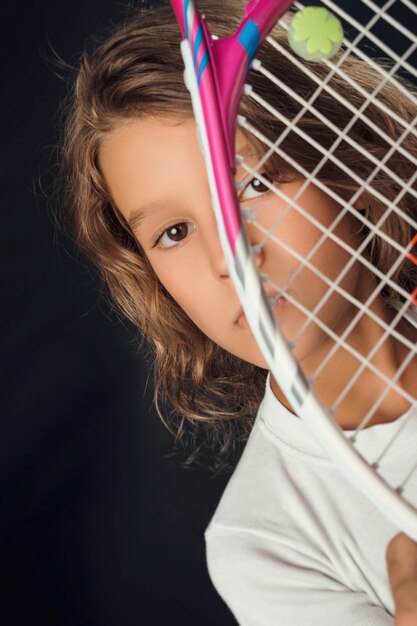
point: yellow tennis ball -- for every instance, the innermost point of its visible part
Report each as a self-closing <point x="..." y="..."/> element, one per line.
<point x="315" y="34"/>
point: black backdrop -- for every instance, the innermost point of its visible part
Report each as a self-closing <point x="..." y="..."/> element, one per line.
<point x="98" y="525"/>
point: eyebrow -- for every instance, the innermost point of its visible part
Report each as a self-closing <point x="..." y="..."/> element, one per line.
<point x="139" y="215"/>
<point x="246" y="150"/>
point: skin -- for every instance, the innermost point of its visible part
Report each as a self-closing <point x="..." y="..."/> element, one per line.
<point x="402" y="572"/>
<point x="156" y="164"/>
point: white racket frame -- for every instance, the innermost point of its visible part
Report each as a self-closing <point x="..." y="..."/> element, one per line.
<point x="282" y="363"/>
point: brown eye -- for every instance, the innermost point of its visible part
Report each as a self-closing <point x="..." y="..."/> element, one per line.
<point x="255" y="188"/>
<point x="177" y="232"/>
<point x="174" y="234"/>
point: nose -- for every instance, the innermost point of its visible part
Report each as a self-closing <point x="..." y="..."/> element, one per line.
<point x="257" y="255"/>
<point x="217" y="258"/>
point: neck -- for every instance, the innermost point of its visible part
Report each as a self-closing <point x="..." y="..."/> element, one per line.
<point x="367" y="396"/>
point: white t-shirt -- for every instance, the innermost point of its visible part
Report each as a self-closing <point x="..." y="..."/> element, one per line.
<point x="292" y="541"/>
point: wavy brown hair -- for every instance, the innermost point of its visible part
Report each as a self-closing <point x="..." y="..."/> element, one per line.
<point x="203" y="394"/>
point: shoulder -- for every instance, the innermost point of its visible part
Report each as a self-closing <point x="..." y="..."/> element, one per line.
<point x="272" y="545"/>
<point x="266" y="581"/>
<point x="264" y="489"/>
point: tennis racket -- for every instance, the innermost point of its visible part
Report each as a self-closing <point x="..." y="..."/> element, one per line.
<point x="223" y="74"/>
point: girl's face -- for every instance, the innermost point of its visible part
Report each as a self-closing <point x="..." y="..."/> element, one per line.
<point x="156" y="176"/>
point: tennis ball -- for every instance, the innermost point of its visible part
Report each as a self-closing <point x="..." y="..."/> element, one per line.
<point x="315" y="34"/>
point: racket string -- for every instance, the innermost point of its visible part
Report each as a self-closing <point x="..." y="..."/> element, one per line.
<point x="349" y="265"/>
<point x="329" y="156"/>
<point x="409" y="5"/>
<point x="353" y="199"/>
<point x="349" y="19"/>
<point x="401" y="487"/>
<point x="383" y="14"/>
<point x="379" y="69"/>
<point x="339" y="341"/>
<point x="346" y="103"/>
<point x="383" y="453"/>
<point x="291" y="125"/>
<point x="389" y="330"/>
<point x="311" y="177"/>
<point x="290" y="201"/>
<point x="329" y="294"/>
<point x="338" y="289"/>
<point x="342" y="134"/>
<point x="390" y="382"/>
<point x="366" y="419"/>
<point x="308" y="106"/>
<point x="403" y="189"/>
<point x="352" y="351"/>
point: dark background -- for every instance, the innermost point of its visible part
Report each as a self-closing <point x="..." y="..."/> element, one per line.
<point x="99" y="524"/>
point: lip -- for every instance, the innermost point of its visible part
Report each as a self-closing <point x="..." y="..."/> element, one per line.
<point x="242" y="322"/>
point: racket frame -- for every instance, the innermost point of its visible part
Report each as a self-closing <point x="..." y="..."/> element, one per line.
<point x="215" y="74"/>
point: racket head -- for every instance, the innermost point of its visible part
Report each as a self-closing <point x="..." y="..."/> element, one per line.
<point x="217" y="117"/>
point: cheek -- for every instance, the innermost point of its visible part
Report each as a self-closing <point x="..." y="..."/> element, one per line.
<point x="188" y="284"/>
<point x="177" y="278"/>
<point x="297" y="238"/>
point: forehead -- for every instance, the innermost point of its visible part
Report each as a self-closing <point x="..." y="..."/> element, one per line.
<point x="142" y="159"/>
<point x="133" y="137"/>
<point x="141" y="155"/>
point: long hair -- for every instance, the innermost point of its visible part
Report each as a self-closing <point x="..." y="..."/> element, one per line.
<point x="203" y="393"/>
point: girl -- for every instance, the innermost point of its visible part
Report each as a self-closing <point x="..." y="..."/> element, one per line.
<point x="291" y="541"/>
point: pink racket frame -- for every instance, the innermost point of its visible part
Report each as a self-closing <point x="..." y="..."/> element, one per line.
<point x="220" y="68"/>
<point x="215" y="74"/>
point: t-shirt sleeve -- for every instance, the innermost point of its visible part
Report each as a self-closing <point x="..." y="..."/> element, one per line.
<point x="267" y="583"/>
